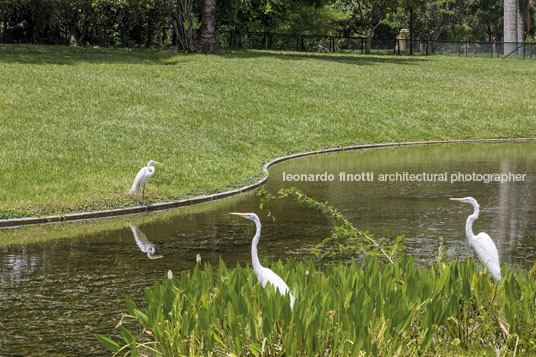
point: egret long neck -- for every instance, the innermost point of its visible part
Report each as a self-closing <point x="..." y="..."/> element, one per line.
<point x="254" y="256"/>
<point x="151" y="170"/>
<point x="469" y="223"/>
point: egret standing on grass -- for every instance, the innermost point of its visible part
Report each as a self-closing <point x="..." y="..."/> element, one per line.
<point x="141" y="178"/>
<point x="484" y="246"/>
<point x="264" y="275"/>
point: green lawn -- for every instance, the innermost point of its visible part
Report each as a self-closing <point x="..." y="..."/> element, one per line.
<point x="77" y="124"/>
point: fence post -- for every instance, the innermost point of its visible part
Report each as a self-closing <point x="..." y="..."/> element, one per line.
<point x="465" y="48"/>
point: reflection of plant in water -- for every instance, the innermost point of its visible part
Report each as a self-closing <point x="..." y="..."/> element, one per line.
<point x="346" y="240"/>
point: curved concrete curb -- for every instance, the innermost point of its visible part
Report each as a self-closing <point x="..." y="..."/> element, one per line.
<point x="16" y="222"/>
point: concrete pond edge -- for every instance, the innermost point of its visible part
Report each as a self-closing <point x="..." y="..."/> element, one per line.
<point x="17" y="222"/>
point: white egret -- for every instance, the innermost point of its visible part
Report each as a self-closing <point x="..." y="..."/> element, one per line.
<point x="141" y="178"/>
<point x="484" y="246"/>
<point x="264" y="275"/>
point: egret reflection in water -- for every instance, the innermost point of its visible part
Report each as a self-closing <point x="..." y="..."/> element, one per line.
<point x="143" y="243"/>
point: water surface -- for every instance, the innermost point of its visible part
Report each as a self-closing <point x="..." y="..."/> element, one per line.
<point x="55" y="294"/>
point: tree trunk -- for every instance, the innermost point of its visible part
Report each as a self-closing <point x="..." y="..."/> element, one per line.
<point x="510" y="26"/>
<point x="207" y="34"/>
<point x="520" y="29"/>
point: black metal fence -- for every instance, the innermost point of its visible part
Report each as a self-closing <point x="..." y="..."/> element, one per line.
<point x="292" y="42"/>
<point x="343" y="44"/>
<point x="319" y="43"/>
<point x="484" y="49"/>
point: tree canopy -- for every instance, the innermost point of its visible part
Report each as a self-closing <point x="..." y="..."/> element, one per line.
<point x="144" y="22"/>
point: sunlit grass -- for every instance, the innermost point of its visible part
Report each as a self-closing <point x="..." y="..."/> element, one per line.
<point x="77" y="124"/>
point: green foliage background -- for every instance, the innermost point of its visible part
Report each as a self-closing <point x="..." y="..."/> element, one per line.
<point x="141" y="22"/>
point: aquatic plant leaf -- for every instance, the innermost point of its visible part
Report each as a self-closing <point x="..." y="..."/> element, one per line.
<point x="218" y="339"/>
<point x="128" y="337"/>
<point x="107" y="342"/>
<point x="347" y="300"/>
<point x="255" y="349"/>
<point x="142" y="318"/>
<point x="131" y="305"/>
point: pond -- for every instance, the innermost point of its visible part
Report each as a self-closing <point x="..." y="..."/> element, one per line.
<point x="72" y="280"/>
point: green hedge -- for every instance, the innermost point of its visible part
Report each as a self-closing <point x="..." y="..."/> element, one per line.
<point x="101" y="22"/>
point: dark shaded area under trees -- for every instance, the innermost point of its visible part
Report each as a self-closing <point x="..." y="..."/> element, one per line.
<point x="132" y="23"/>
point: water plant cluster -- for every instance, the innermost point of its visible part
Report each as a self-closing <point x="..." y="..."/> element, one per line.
<point x="342" y="309"/>
<point x="382" y="304"/>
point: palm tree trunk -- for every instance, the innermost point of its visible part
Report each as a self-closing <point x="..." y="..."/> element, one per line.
<point x="520" y="28"/>
<point x="510" y="25"/>
<point x="207" y="35"/>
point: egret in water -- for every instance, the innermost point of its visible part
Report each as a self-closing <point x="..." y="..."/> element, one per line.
<point x="264" y="275"/>
<point x="484" y="246"/>
<point x="141" y="178"/>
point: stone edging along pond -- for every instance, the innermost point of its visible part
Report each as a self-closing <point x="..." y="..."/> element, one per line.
<point x="15" y="222"/>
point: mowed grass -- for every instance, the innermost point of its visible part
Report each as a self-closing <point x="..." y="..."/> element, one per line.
<point x="78" y="123"/>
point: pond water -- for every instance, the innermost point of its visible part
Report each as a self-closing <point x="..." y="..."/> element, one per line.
<point x="56" y="293"/>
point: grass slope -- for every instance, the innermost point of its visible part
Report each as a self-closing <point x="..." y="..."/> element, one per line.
<point x="77" y="124"/>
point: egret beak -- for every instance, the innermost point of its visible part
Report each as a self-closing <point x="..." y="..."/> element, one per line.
<point x="457" y="199"/>
<point x="239" y="214"/>
<point x="159" y="163"/>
